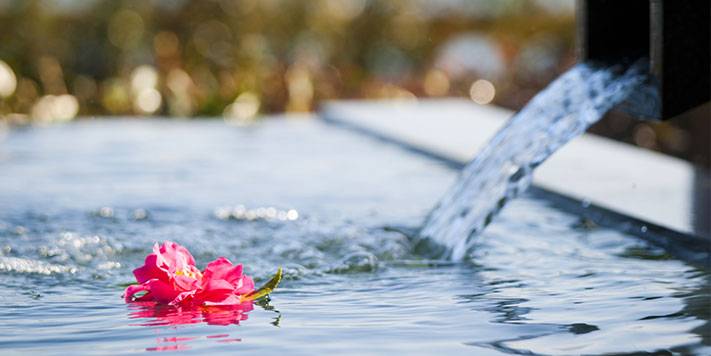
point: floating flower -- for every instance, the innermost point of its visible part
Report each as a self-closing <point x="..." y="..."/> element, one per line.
<point x="169" y="276"/>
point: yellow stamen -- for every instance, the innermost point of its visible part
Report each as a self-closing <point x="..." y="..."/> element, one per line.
<point x="188" y="273"/>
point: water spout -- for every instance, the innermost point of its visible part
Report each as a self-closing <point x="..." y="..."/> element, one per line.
<point x="673" y="36"/>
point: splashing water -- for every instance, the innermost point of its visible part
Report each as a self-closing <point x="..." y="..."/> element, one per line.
<point x="503" y="168"/>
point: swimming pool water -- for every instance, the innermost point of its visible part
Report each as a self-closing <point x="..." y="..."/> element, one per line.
<point x="82" y="204"/>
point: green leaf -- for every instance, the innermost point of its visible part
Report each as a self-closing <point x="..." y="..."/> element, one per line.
<point x="266" y="289"/>
<point x="124" y="285"/>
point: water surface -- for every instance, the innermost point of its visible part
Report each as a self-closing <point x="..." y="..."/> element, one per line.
<point x="82" y="204"/>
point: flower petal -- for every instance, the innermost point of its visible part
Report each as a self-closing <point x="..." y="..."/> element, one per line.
<point x="185" y="298"/>
<point x="185" y="283"/>
<point x="222" y="268"/>
<point x="244" y="285"/>
<point x="133" y="289"/>
<point x="230" y="299"/>
<point x="215" y="291"/>
<point x="163" y="292"/>
<point x="163" y="263"/>
<point x="177" y="257"/>
<point x="151" y="269"/>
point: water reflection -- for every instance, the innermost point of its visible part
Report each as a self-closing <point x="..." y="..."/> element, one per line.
<point x="154" y="314"/>
<point x="174" y="347"/>
<point x="178" y="343"/>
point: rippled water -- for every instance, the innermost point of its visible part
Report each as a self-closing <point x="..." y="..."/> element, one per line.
<point x="504" y="167"/>
<point x="81" y="206"/>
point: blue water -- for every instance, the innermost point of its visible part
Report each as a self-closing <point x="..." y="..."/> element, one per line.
<point x="82" y="204"/>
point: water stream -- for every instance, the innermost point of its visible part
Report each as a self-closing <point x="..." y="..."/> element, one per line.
<point x="504" y="167"/>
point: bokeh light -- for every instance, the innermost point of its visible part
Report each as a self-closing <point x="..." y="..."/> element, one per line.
<point x="243" y="109"/>
<point x="166" y="44"/>
<point x="146" y="99"/>
<point x="436" y="83"/>
<point x="8" y="81"/>
<point x="143" y="77"/>
<point x="51" y="108"/>
<point x="126" y="29"/>
<point x="482" y="91"/>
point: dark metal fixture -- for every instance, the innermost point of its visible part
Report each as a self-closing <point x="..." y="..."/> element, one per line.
<point x="673" y="35"/>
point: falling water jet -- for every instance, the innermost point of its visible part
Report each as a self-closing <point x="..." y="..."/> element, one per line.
<point x="669" y="39"/>
<point x="504" y="166"/>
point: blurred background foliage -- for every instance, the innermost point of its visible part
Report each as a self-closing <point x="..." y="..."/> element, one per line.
<point x="239" y="59"/>
<point x="243" y="57"/>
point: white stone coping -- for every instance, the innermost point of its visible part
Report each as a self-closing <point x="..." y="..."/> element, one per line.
<point x="616" y="176"/>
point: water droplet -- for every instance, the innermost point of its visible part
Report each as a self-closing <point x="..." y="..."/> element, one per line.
<point x="106" y="212"/>
<point x="261" y="213"/>
<point x="139" y="214"/>
<point x="239" y="212"/>
<point x="222" y="213"/>
<point x="251" y="215"/>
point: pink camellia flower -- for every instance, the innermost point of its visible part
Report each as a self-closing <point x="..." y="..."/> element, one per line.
<point x="169" y="276"/>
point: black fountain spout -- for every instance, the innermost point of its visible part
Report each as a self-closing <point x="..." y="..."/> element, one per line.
<point x="673" y="35"/>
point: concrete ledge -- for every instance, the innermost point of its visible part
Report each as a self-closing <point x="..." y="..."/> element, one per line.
<point x="628" y="180"/>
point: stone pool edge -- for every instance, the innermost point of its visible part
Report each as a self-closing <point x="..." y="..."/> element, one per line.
<point x="641" y="192"/>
